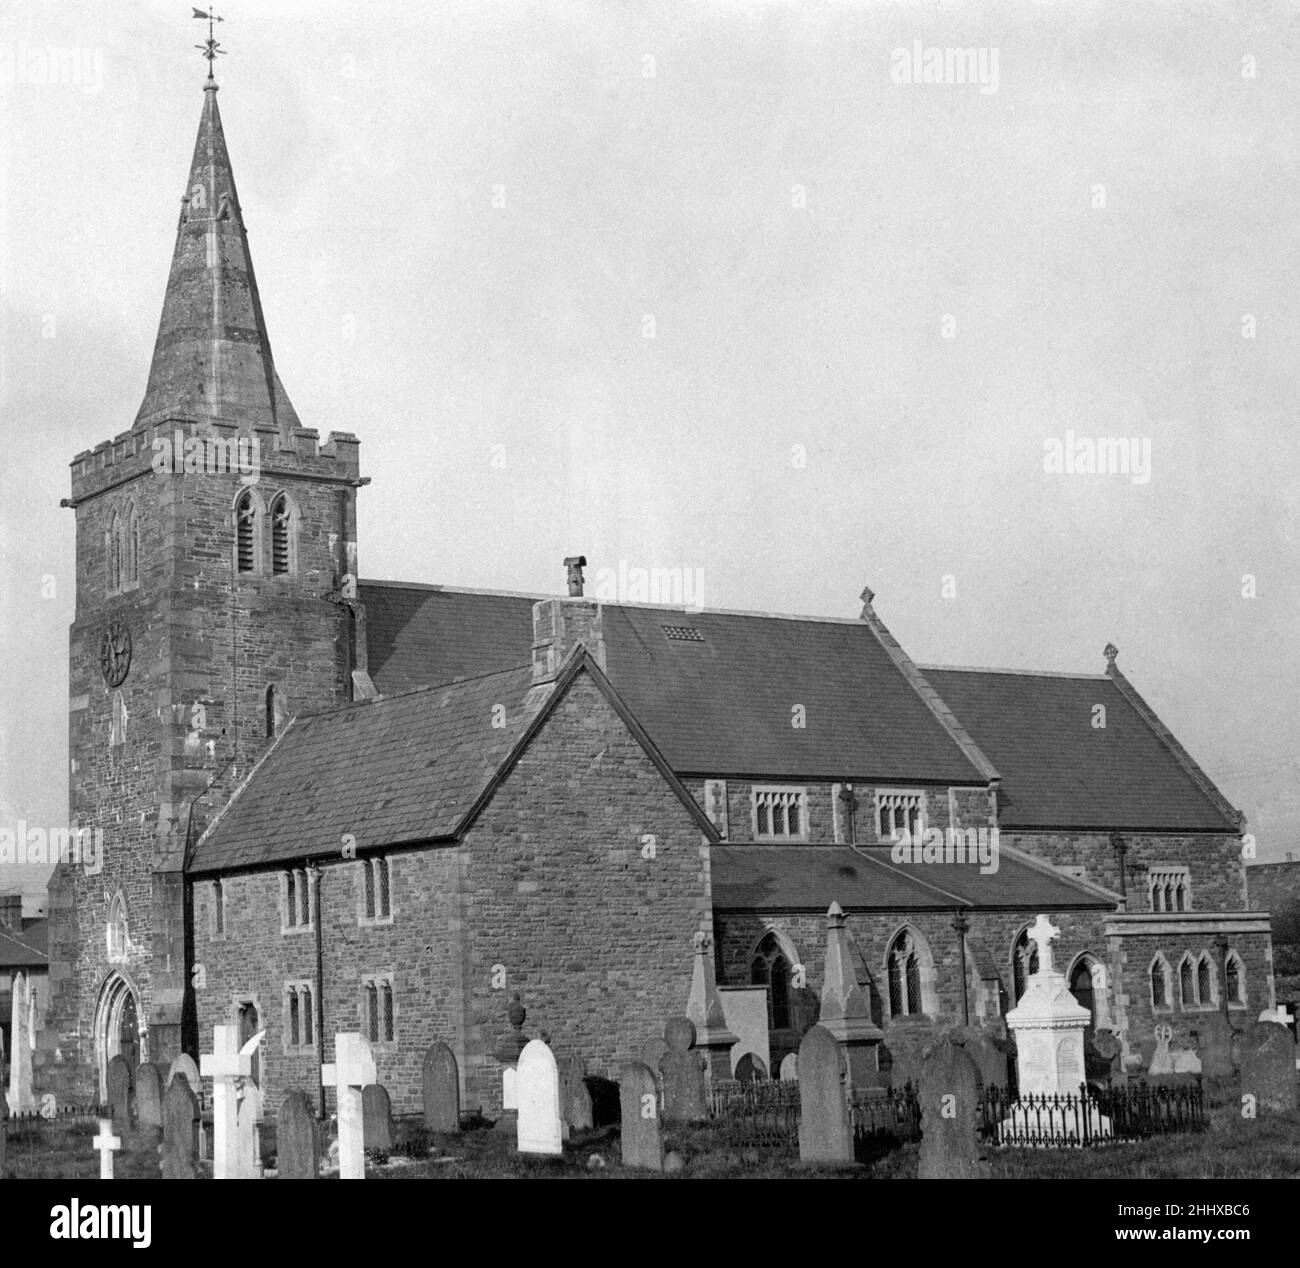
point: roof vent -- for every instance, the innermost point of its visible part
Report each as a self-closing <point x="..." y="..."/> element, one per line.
<point x="683" y="634"/>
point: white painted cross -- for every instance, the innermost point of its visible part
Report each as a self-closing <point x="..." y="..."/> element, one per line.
<point x="1041" y="932"/>
<point x="352" y="1069"/>
<point x="1278" y="1014"/>
<point x="227" y="1065"/>
<point x="106" y="1143"/>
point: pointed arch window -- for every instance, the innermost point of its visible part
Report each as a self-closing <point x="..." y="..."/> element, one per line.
<point x="1198" y="985"/>
<point x="1162" y="985"/>
<point x="272" y="703"/>
<point x="1234" y="975"/>
<point x="904" y="964"/>
<point x="1024" y="962"/>
<point x="248" y="534"/>
<point x="130" y="545"/>
<point x="771" y="967"/>
<point x="118" y="933"/>
<point x="113" y="552"/>
<point x="284" y="536"/>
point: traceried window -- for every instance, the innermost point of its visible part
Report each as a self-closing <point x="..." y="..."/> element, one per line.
<point x="899" y="812"/>
<point x="1162" y="985"/>
<point x="377" y="1009"/>
<point x="1197" y="981"/>
<point x="1234" y="974"/>
<point x="904" y="966"/>
<point x="780" y="814"/>
<point x="771" y="967"/>
<point x="1169" y="888"/>
<point x="1024" y="962"/>
<point x="300" y="1019"/>
<point x="246" y="510"/>
<point x="376" y="886"/>
<point x="296" y="899"/>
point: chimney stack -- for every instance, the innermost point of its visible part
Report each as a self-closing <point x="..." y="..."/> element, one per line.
<point x="559" y="625"/>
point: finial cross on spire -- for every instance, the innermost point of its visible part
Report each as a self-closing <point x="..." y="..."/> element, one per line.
<point x="209" y="48"/>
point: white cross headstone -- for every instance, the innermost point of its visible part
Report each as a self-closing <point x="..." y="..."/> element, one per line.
<point x="541" y="1128"/>
<point x="227" y="1065"/>
<point x="352" y="1069"/>
<point x="106" y="1143"/>
<point x="1278" y="1014"/>
<point x="1041" y="933"/>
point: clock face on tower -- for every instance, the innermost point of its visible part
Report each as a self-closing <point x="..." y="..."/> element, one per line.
<point x="115" y="653"/>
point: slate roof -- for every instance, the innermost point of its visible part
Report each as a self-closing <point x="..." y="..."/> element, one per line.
<point x="1058" y="770"/>
<point x="26" y="949"/>
<point x="717" y="702"/>
<point x="404" y="769"/>
<point x="811" y="877"/>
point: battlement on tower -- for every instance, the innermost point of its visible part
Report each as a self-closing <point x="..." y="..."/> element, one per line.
<point x="214" y="447"/>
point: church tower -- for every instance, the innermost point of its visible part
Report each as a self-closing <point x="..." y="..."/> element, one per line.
<point x="215" y="600"/>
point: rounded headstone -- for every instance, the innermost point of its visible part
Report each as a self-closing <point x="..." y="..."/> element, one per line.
<point x="825" y="1134"/>
<point x="376" y="1117"/>
<point x="679" y="1034"/>
<point x="180" y="1131"/>
<point x="297" y="1136"/>
<point x="642" y="1139"/>
<point x="441" y="1089"/>
<point x="949" y="1095"/>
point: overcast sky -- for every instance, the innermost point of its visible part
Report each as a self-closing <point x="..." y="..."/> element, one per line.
<point x="1092" y="230"/>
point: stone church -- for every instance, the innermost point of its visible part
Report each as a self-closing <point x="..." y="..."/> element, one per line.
<point x="336" y="804"/>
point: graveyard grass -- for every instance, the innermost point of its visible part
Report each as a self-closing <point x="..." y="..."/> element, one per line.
<point x="1245" y="1150"/>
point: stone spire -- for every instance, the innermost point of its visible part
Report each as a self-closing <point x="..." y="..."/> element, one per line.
<point x="212" y="359"/>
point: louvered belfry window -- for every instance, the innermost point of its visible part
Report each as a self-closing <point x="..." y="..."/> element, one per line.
<point x="246" y="533"/>
<point x="281" y="526"/>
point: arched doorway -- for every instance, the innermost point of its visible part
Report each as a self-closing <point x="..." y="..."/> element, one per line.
<point x="1081" y="987"/>
<point x="117" y="1028"/>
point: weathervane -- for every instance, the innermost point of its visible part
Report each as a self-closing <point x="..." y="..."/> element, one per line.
<point x="209" y="48"/>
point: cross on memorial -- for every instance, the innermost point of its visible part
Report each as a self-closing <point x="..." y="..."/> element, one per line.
<point x="106" y="1143"/>
<point x="351" y="1070"/>
<point x="1041" y="933"/>
<point x="227" y="1065"/>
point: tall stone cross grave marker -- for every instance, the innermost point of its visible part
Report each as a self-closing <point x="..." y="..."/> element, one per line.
<point x="228" y="1066"/>
<point x="351" y="1070"/>
<point x="106" y="1143"/>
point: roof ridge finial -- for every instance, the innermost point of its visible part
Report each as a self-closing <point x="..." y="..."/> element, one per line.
<point x="210" y="48"/>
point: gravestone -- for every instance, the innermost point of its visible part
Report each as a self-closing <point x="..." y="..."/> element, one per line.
<point x="905" y="1041"/>
<point x="377" y="1117"/>
<point x="825" y="1133"/>
<point x="108" y="1145"/>
<point x="297" y="1137"/>
<point x="441" y="1089"/>
<point x="149" y="1081"/>
<point x="749" y="1069"/>
<point x="230" y="1068"/>
<point x="22" y="1098"/>
<point x="185" y="1066"/>
<point x="683" y="1073"/>
<point x="352" y="1069"/>
<point x="4" y="1128"/>
<point x="989" y="1054"/>
<point x="541" y="1129"/>
<point x="573" y="1088"/>
<point x="1048" y="1024"/>
<point x="180" y="1130"/>
<point x="949" y="1095"/>
<point x="642" y="1139"/>
<point x="1268" y="1066"/>
<point x="790" y="1068"/>
<point x="1214" y="1041"/>
<point x="118" y="1080"/>
<point x="248" y="1162"/>
<point x="653" y="1053"/>
<point x="1161" y="1061"/>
